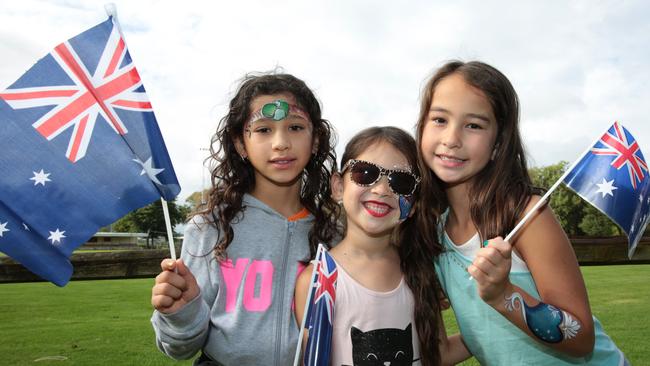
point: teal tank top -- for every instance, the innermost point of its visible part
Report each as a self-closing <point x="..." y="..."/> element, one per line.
<point x="491" y="338"/>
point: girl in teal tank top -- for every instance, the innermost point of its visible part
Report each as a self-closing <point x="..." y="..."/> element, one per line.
<point x="521" y="302"/>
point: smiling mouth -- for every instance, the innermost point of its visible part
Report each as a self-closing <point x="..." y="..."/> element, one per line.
<point x="451" y="161"/>
<point x="377" y="209"/>
<point x="282" y="161"/>
<point x="450" y="158"/>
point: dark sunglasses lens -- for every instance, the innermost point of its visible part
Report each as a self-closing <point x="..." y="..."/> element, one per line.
<point x="402" y="183"/>
<point x="364" y="173"/>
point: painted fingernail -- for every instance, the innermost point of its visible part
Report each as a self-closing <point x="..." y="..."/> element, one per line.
<point x="485" y="244"/>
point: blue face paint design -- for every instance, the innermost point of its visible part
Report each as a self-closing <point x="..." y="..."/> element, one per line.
<point x="405" y="205"/>
<point x="545" y="321"/>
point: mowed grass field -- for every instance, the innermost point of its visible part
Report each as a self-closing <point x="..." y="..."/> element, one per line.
<point x="107" y="322"/>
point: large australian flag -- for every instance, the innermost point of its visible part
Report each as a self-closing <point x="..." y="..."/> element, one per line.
<point x="613" y="176"/>
<point x="80" y="148"/>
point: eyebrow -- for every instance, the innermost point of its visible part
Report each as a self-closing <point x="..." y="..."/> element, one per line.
<point x="472" y="115"/>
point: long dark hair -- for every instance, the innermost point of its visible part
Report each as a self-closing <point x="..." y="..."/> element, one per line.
<point x="233" y="176"/>
<point x="415" y="252"/>
<point x="502" y="189"/>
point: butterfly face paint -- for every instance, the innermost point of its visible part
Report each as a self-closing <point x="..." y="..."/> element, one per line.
<point x="545" y="321"/>
<point x="276" y="111"/>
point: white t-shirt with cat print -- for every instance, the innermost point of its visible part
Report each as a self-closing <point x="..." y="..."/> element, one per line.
<point x="373" y="326"/>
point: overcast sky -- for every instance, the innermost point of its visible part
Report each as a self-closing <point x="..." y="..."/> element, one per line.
<point x="577" y="65"/>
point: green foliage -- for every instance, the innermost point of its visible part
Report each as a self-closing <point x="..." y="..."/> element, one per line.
<point x="197" y="199"/>
<point x="576" y="216"/>
<point x="150" y="219"/>
<point x="596" y="224"/>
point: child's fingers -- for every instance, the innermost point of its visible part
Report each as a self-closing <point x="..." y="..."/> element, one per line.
<point x="488" y="259"/>
<point x="167" y="289"/>
<point x="479" y="274"/>
<point x="164" y="295"/>
<point x="173" y="279"/>
<point x="191" y="287"/>
<point x="161" y="302"/>
<point x="503" y="247"/>
<point x="182" y="268"/>
<point x="167" y="264"/>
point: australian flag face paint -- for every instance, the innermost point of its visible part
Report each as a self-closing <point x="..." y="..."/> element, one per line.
<point x="405" y="205"/>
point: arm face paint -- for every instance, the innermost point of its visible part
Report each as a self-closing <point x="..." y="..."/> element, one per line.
<point x="545" y="321"/>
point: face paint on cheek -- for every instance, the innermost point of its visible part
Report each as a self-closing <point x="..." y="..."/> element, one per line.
<point x="405" y="205"/>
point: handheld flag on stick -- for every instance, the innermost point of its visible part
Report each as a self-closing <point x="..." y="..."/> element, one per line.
<point x="611" y="175"/>
<point x="81" y="148"/>
<point x="319" y="311"/>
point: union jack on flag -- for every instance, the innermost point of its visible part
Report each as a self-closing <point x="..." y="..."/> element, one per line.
<point x="613" y="177"/>
<point x="320" y="312"/>
<point x="626" y="152"/>
<point x="81" y="148"/>
<point x="114" y="84"/>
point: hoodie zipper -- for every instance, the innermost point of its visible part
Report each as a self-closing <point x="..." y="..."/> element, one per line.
<point x="280" y="310"/>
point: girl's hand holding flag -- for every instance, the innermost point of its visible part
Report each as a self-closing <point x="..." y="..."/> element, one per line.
<point x="175" y="287"/>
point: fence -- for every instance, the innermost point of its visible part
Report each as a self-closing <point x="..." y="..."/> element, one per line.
<point x="146" y="262"/>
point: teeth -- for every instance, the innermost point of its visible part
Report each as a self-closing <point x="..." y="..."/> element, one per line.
<point x="448" y="158"/>
<point x="377" y="207"/>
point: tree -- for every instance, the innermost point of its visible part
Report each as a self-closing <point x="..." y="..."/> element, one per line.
<point x="150" y="219"/>
<point x="595" y="223"/>
<point x="197" y="200"/>
<point x="576" y="216"/>
<point x="568" y="207"/>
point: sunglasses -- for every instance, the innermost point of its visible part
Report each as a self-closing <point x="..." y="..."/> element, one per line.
<point x="365" y="174"/>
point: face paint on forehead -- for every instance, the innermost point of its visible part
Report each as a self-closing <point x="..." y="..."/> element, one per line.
<point x="277" y="111"/>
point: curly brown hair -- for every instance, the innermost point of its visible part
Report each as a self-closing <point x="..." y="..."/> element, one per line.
<point x="416" y="252"/>
<point x="232" y="176"/>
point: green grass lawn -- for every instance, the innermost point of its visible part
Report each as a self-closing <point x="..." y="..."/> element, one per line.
<point x="107" y="322"/>
<point x="620" y="299"/>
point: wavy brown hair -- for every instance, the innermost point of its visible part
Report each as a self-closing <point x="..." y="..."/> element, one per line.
<point x="415" y="252"/>
<point x="232" y="176"/>
<point x="502" y="189"/>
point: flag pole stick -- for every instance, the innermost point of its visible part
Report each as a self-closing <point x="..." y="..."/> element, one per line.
<point x="111" y="11"/>
<point x="548" y="193"/>
<point x="296" y="359"/>
<point x="170" y="233"/>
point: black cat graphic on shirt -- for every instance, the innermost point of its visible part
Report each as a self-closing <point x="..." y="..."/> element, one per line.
<point x="382" y="347"/>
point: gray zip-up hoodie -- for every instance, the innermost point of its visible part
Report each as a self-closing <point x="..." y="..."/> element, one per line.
<point x="244" y="314"/>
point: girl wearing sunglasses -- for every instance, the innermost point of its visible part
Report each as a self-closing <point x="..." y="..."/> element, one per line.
<point x="231" y="293"/>
<point x="526" y="302"/>
<point x="386" y="308"/>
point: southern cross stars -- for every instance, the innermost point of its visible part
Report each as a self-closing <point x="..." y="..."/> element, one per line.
<point x="40" y="178"/>
<point x="149" y="170"/>
<point x="3" y="228"/>
<point x="56" y="236"/>
<point x="606" y="188"/>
